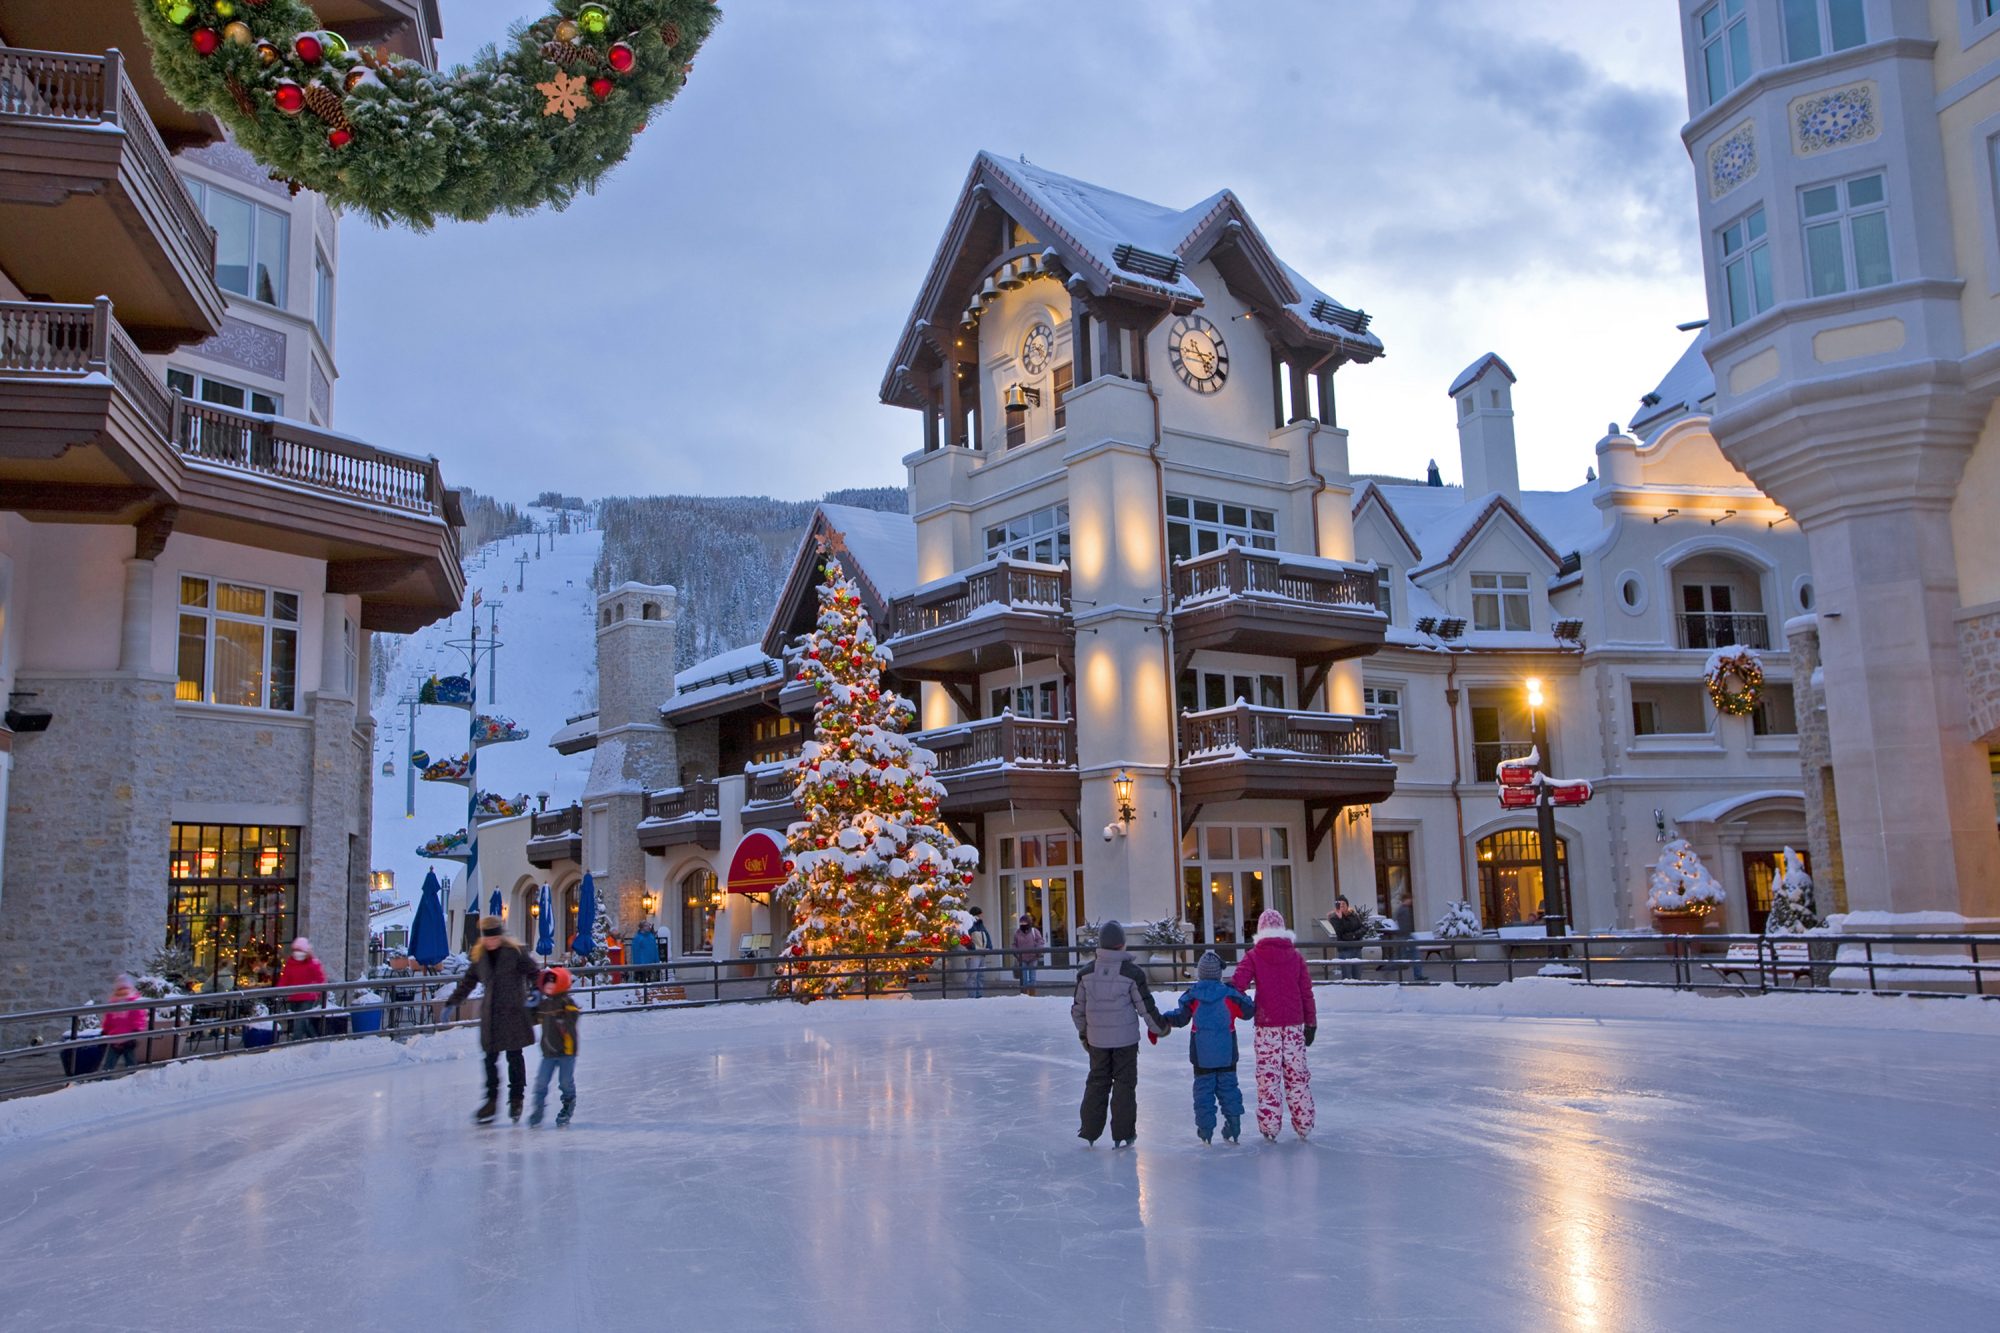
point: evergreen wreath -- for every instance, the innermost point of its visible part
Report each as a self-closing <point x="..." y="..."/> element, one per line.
<point x="515" y="130"/>
<point x="1747" y="669"/>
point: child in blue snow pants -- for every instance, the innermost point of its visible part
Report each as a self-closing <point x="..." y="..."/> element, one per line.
<point x="1211" y="1009"/>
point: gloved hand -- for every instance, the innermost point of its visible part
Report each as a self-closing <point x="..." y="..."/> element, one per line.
<point x="1152" y="1036"/>
<point x="1083" y="1040"/>
<point x="1312" y="1030"/>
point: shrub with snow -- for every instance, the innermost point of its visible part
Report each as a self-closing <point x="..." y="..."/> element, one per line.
<point x="1792" y="908"/>
<point x="1681" y="883"/>
<point x="1459" y="922"/>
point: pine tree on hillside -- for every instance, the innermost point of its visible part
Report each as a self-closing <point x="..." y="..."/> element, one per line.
<point x="871" y="868"/>
<point x="1792" y="909"/>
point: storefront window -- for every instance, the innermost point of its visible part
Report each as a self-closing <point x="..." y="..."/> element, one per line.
<point x="1392" y="870"/>
<point x="1042" y="875"/>
<point x="1231" y="874"/>
<point x="1510" y="876"/>
<point x="698" y="911"/>
<point x="232" y="899"/>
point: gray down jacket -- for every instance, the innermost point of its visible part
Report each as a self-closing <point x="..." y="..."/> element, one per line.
<point x="1113" y="1001"/>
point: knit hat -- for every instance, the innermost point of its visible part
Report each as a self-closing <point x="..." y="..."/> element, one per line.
<point x="1111" y="936"/>
<point x="1209" y="968"/>
<point x="123" y="982"/>
<point x="1027" y="920"/>
<point x="1270" y="919"/>
<point x="302" y="945"/>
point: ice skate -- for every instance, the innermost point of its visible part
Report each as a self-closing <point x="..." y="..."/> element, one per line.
<point x="1206" y="1140"/>
<point x="535" y="1118"/>
<point x="1088" y="1141"/>
<point x="1231" y="1130"/>
<point x="1123" y="1143"/>
<point x="484" y="1115"/>
<point x="568" y="1109"/>
<point x="1269" y="1137"/>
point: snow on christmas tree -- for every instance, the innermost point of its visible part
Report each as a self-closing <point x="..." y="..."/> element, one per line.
<point x="1681" y="883"/>
<point x="1792" y="910"/>
<point x="872" y="869"/>
<point x="1459" y="922"/>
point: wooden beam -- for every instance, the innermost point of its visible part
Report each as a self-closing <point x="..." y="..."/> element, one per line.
<point x="38" y="497"/>
<point x="1312" y="676"/>
<point x="151" y="532"/>
<point x="1190" y="811"/>
<point x="1074" y="819"/>
<point x="350" y="577"/>
<point x="1319" y="823"/>
<point x="957" y="692"/>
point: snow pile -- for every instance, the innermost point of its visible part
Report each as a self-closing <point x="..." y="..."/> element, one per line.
<point x="1681" y="883"/>
<point x="1459" y="922"/>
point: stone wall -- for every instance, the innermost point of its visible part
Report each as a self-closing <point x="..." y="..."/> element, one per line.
<point x="1979" y="646"/>
<point x="1816" y="766"/>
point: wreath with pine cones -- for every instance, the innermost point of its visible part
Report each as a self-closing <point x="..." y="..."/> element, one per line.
<point x="516" y="130"/>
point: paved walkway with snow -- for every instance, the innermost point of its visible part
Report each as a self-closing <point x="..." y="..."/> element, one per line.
<point x="913" y="1166"/>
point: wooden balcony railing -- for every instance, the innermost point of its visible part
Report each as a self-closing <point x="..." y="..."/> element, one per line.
<point x="1234" y="570"/>
<point x="700" y="800"/>
<point x="1030" y="587"/>
<point x="55" y="87"/>
<point x="1002" y="740"/>
<point x="1243" y="730"/>
<point x="40" y="340"/>
<point x="776" y="785"/>
<point x="565" y="823"/>
<point x="1725" y="629"/>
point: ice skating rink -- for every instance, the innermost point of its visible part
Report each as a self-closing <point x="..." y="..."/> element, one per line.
<point x="1680" y="1163"/>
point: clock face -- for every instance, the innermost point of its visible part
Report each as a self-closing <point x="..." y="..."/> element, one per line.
<point x="1037" y="348"/>
<point x="1200" y="358"/>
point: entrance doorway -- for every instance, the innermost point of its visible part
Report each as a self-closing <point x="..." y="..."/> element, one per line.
<point x="1229" y="874"/>
<point x="1041" y="874"/>
<point x="1761" y="870"/>
<point x="1510" y="876"/>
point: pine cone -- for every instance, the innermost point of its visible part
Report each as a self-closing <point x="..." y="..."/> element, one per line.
<point x="242" y="96"/>
<point x="567" y="54"/>
<point x="670" y="33"/>
<point x="324" y="102"/>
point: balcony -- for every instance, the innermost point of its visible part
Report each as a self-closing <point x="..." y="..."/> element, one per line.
<point x="1708" y="630"/>
<point x="1487" y="756"/>
<point x="89" y="433"/>
<point x="90" y="203"/>
<point x="1245" y="753"/>
<point x="683" y="817"/>
<point x="1278" y="605"/>
<point x="1004" y="761"/>
<point x="556" y="836"/>
<point x="980" y="619"/>
<point x="769" y="800"/>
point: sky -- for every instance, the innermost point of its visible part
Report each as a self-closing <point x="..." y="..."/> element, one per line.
<point x="717" y="318"/>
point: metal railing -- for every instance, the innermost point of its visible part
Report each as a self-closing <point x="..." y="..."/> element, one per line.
<point x="1038" y="588"/>
<point x="1219" y="733"/>
<point x="53" y="1048"/>
<point x="1001" y="740"/>
<point x="1725" y="629"/>
<point x="1271" y="574"/>
<point x="1487" y="756"/>
<point x="57" y="87"/>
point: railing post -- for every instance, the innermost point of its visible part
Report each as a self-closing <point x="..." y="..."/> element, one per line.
<point x="100" y="334"/>
<point x="111" y="111"/>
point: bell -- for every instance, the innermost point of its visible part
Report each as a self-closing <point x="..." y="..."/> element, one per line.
<point x="1017" y="400"/>
<point x="970" y="319"/>
<point x="988" y="292"/>
<point x="1011" y="279"/>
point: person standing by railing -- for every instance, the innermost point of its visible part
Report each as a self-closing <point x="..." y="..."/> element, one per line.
<point x="975" y="965"/>
<point x="123" y="1023"/>
<point x="302" y="968"/>
<point x="1027" y="953"/>
<point x="1349" y="929"/>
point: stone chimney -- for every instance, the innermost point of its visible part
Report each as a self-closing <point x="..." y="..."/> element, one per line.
<point x="1483" y="396"/>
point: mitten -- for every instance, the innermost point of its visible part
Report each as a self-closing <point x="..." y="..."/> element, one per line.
<point x="1152" y="1036"/>
<point x="1312" y="1030"/>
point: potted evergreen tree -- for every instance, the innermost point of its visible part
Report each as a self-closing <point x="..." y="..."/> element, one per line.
<point x="1459" y="922"/>
<point x="1683" y="893"/>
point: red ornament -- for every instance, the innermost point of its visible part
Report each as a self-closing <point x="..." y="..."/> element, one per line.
<point x="621" y="58"/>
<point x="205" y="41"/>
<point x="289" y="97"/>
<point x="639" y="129"/>
<point x="339" y="138"/>
<point x="602" y="87"/>
<point x="308" y="48"/>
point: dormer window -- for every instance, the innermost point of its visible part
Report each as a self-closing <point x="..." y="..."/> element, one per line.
<point x="1500" y="602"/>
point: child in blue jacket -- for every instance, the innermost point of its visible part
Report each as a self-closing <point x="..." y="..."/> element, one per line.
<point x="1213" y="1009"/>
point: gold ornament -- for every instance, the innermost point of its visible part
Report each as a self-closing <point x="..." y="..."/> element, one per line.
<point x="566" y="96"/>
<point x="267" y="54"/>
<point x="238" y="33"/>
<point x="567" y="30"/>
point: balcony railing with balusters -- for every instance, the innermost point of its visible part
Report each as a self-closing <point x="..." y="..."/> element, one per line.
<point x="1725" y="629"/>
<point x="1004" y="583"/>
<point x="1003" y="740"/>
<point x="566" y="822"/>
<point x="1243" y="730"/>
<point x="1272" y="574"/>
<point x="700" y="800"/>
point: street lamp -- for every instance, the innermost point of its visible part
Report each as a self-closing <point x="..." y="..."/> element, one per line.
<point x="1555" y="898"/>
<point x="1121" y="787"/>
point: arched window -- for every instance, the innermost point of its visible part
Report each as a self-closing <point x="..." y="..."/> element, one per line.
<point x="650" y="611"/>
<point x="698" y="893"/>
<point x="1510" y="876"/>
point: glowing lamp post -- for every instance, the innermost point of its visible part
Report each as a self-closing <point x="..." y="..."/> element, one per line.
<point x="1555" y="897"/>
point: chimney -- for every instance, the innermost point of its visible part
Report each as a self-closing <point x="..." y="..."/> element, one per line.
<point x="1484" y="397"/>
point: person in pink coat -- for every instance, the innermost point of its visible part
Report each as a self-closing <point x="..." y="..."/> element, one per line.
<point x="1286" y="1023"/>
<point x="122" y="1023"/>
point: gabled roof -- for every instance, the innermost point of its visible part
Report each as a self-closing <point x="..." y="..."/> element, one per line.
<point x="723" y="683"/>
<point x="1116" y="245"/>
<point x="1472" y="372"/>
<point x="878" y="549"/>
<point x="1450" y="538"/>
<point x="1372" y="494"/>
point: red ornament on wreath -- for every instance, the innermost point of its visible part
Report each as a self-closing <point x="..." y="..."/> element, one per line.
<point x="205" y="41"/>
<point x="289" y="98"/>
<point x="308" y="48"/>
<point x="602" y="88"/>
<point x="621" y="58"/>
<point x="339" y="138"/>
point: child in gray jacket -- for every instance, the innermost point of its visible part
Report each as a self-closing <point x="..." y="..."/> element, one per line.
<point x="1112" y="1005"/>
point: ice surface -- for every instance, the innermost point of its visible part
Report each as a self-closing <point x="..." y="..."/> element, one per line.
<point x="1639" y="1160"/>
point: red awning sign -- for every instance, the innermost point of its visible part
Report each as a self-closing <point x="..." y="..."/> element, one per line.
<point x="759" y="863"/>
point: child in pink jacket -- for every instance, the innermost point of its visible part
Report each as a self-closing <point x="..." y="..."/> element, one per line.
<point x="1286" y="1023"/>
<point x="123" y="1023"/>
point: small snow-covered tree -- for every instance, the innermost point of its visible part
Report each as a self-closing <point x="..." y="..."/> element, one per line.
<point x="603" y="927"/>
<point x="1792" y="908"/>
<point x="872" y="868"/>
<point x="1681" y="883"/>
<point x="1459" y="922"/>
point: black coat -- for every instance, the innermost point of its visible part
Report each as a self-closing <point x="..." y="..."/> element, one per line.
<point x="1349" y="929"/>
<point x="508" y="975"/>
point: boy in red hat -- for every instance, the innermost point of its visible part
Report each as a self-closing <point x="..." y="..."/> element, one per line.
<point x="557" y="1012"/>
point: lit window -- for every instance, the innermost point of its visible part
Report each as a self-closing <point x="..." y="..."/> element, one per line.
<point x="1042" y="536"/>
<point x="239" y="645"/>
<point x="1202" y="690"/>
<point x="1387" y="704"/>
<point x="1814" y="27"/>
<point x="251" y="243"/>
<point x="1500" y="602"/>
<point x="1197" y="527"/>
<point x="1724" y="34"/>
<point x="1043" y="700"/>
<point x="1063" y="379"/>
<point x="1746" y="267"/>
<point x="1847" y="235"/>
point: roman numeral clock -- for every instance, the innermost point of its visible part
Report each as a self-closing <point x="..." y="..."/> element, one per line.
<point x="1199" y="355"/>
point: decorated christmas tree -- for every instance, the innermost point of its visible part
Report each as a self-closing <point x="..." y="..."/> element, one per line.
<point x="1681" y="883"/>
<point x="871" y="869"/>
<point x="1792" y="911"/>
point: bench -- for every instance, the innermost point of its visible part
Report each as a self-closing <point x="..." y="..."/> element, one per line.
<point x="1794" y="960"/>
<point x="662" y="994"/>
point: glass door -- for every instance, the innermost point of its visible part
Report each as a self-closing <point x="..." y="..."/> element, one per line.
<point x="1041" y="874"/>
<point x="1230" y="874"/>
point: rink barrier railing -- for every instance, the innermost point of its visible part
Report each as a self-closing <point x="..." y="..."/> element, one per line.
<point x="51" y="1048"/>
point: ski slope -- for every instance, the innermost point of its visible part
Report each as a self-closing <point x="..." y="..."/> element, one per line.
<point x="545" y="673"/>
<point x="1671" y="1163"/>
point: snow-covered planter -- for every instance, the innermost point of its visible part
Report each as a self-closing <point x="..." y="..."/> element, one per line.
<point x="1683" y="893"/>
<point x="367" y="1011"/>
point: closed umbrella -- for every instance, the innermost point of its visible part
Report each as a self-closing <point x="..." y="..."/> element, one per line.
<point x="494" y="907"/>
<point x="584" y="944"/>
<point x="471" y="931"/>
<point x="545" y="941"/>
<point x="429" y="937"/>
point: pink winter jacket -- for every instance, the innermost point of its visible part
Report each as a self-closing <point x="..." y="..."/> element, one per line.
<point x="1277" y="969"/>
<point x="124" y="1022"/>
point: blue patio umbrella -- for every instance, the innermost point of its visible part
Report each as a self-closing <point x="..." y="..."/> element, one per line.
<point x="586" y="919"/>
<point x="430" y="940"/>
<point x="494" y="907"/>
<point x="545" y="941"/>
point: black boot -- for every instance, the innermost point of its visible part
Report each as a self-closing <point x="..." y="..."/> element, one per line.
<point x="568" y="1109"/>
<point x="514" y="1109"/>
<point x="484" y="1115"/>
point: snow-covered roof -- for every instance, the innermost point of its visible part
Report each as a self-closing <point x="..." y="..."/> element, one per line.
<point x="1102" y="222"/>
<point x="1439" y="519"/>
<point x="740" y="671"/>
<point x="1688" y="387"/>
<point x="571" y="736"/>
<point x="884" y="546"/>
<point x="1716" y="811"/>
<point x="1478" y="368"/>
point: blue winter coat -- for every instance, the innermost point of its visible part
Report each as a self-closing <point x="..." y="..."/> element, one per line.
<point x="643" y="949"/>
<point x="1213" y="1008"/>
